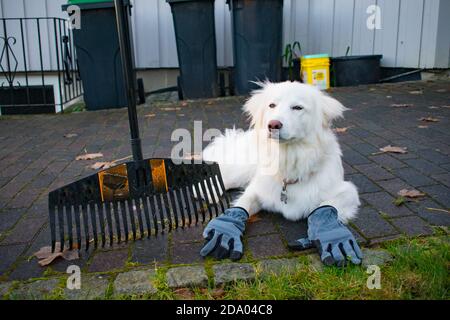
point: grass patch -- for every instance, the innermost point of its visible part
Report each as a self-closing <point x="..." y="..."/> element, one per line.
<point x="419" y="271"/>
<point x="76" y="107"/>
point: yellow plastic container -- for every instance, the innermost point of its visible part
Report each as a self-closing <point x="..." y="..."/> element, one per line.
<point x="315" y="70"/>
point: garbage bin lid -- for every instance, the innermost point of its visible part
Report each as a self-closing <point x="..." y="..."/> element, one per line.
<point x="86" y="1"/>
<point x="315" y="56"/>
<point x="92" y="4"/>
<point x="174" y="1"/>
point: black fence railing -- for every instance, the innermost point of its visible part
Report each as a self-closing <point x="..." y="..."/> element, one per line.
<point x="38" y="66"/>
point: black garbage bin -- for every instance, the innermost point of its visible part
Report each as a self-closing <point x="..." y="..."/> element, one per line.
<point x="257" y="42"/>
<point x="98" y="53"/>
<point x="196" y="46"/>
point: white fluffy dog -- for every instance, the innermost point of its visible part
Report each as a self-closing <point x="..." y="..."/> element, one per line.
<point x="295" y="120"/>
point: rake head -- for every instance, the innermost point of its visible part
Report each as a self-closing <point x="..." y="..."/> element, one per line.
<point x="144" y="197"/>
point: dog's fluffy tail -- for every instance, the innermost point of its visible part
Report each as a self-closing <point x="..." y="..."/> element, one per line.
<point x="231" y="152"/>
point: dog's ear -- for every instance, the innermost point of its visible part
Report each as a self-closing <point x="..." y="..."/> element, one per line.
<point x="332" y="109"/>
<point x="254" y="106"/>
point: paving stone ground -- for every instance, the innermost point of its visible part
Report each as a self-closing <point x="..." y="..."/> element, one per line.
<point x="36" y="158"/>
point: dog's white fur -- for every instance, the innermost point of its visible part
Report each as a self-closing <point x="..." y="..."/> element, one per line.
<point x="308" y="151"/>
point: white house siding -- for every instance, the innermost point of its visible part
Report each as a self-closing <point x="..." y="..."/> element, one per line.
<point x="414" y="33"/>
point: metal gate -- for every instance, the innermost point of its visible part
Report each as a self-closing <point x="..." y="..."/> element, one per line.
<point x="38" y="66"/>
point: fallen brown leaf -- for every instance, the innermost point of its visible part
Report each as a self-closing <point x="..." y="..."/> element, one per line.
<point x="184" y="294"/>
<point x="342" y="130"/>
<point x="102" y="165"/>
<point x="416" y="92"/>
<point x="184" y="104"/>
<point x="46" y="257"/>
<point x="429" y="119"/>
<point x="171" y="109"/>
<point x="89" y="156"/>
<point x="401" y="105"/>
<point x="422" y="127"/>
<point x="393" y="149"/>
<point x="413" y="193"/>
<point x="107" y="164"/>
<point x="216" y="293"/>
<point x="254" y="218"/>
<point x="70" y="135"/>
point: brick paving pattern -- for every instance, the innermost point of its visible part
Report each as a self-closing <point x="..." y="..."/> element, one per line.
<point x="36" y="158"/>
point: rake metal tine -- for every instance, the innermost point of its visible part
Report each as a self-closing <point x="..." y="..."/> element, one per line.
<point x="109" y="221"/>
<point x="123" y="211"/>
<point x="86" y="224"/>
<point x="52" y="226"/>
<point x="161" y="213"/>
<point x="208" y="203"/>
<point x="94" y="223"/>
<point x="187" y="204"/>
<point x="171" y="195"/>
<point x="224" y="191"/>
<point x="61" y="226"/>
<point x="165" y="198"/>
<point x="68" y="209"/>
<point x="217" y="193"/>
<point x="137" y="203"/>
<point x="151" y="200"/>
<point x="199" y="198"/>
<point x="102" y="223"/>
<point x="211" y="195"/>
<point x="147" y="216"/>
<point x="131" y="215"/>
<point x="76" y="209"/>
<point x="117" y="220"/>
<point x="177" y="193"/>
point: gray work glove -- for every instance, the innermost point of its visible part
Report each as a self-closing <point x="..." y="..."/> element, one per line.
<point x="331" y="237"/>
<point x="223" y="235"/>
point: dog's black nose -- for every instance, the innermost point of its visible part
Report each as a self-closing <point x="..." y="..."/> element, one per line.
<point x="275" y="125"/>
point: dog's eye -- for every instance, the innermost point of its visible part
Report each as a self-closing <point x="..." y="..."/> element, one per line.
<point x="272" y="105"/>
<point x="297" y="108"/>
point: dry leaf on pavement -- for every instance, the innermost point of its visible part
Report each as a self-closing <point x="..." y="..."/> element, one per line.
<point x="70" y="135"/>
<point x="416" y="92"/>
<point x="401" y="105"/>
<point x="253" y="218"/>
<point x="171" y="109"/>
<point x="393" y="149"/>
<point x="342" y="130"/>
<point x="102" y="165"/>
<point x="107" y="164"/>
<point x="422" y="127"/>
<point x="89" y="156"/>
<point x="46" y="256"/>
<point x="429" y="119"/>
<point x="413" y="193"/>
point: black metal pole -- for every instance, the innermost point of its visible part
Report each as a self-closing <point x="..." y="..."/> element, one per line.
<point x="126" y="53"/>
